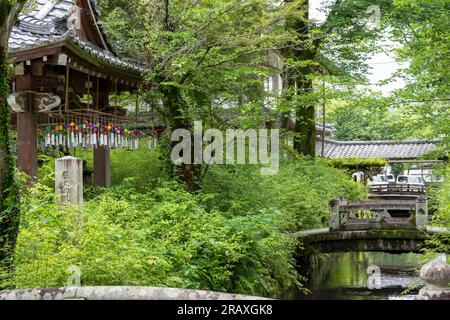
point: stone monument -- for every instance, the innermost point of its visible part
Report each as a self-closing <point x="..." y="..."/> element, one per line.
<point x="69" y="181"/>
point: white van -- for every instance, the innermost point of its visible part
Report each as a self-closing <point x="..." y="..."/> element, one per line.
<point x="391" y="177"/>
<point x="379" y="180"/>
<point x="402" y="179"/>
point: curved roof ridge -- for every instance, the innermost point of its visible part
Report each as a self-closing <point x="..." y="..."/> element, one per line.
<point x="45" y="9"/>
<point x="375" y="142"/>
<point x="383" y="149"/>
<point x="35" y="25"/>
<point x="105" y="54"/>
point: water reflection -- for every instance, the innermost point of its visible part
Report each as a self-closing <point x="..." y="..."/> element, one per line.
<point x="346" y="277"/>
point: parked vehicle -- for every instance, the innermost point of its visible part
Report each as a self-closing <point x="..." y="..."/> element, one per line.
<point x="415" y="180"/>
<point x="379" y="180"/>
<point x="420" y="180"/>
<point x="391" y="177"/>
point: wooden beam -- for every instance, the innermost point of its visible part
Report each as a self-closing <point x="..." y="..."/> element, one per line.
<point x="35" y="53"/>
<point x="81" y="57"/>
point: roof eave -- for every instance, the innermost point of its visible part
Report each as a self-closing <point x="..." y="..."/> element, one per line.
<point x="92" y="59"/>
<point x="35" y="52"/>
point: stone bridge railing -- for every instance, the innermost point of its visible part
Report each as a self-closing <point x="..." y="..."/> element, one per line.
<point x="374" y="214"/>
<point x="393" y="188"/>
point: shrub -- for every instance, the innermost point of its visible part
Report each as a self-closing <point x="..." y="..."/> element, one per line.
<point x="440" y="242"/>
<point x="233" y="236"/>
<point x="300" y="190"/>
<point x="159" y="238"/>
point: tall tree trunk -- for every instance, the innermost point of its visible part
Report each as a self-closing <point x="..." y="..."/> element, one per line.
<point x="189" y="174"/>
<point x="9" y="200"/>
<point x="305" y="121"/>
<point x="175" y="105"/>
<point x="300" y="80"/>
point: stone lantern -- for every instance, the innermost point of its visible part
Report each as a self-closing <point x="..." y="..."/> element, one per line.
<point x="437" y="276"/>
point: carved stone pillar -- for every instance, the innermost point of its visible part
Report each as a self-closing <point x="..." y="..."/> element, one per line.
<point x="69" y="181"/>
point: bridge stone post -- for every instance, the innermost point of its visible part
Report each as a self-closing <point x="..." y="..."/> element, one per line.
<point x="421" y="212"/>
<point x="343" y="215"/>
<point x="333" y="221"/>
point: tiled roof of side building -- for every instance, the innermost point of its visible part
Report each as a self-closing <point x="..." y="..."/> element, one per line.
<point x="45" y="22"/>
<point x="412" y="149"/>
<point x="329" y="128"/>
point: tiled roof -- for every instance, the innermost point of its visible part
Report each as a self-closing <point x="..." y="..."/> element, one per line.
<point x="376" y="149"/>
<point x="46" y="22"/>
<point x="329" y="128"/>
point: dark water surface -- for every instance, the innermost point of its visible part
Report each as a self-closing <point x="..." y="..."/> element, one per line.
<point x="346" y="277"/>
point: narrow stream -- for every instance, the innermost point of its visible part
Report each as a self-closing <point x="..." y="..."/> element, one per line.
<point x="346" y="277"/>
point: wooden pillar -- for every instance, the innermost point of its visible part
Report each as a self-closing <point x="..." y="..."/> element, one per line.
<point x="102" y="173"/>
<point x="27" y="143"/>
<point x="27" y="129"/>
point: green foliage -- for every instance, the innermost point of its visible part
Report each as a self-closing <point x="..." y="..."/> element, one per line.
<point x="440" y="243"/>
<point x="300" y="191"/>
<point x="423" y="30"/>
<point x="370" y="116"/>
<point x="234" y="236"/>
<point x="5" y="8"/>
<point x="420" y="30"/>
<point x="207" y="61"/>
<point x="198" y="52"/>
<point x="9" y="197"/>
<point x="142" y="165"/>
<point x="207" y="58"/>
<point x="357" y="162"/>
<point x="159" y="238"/>
<point x="46" y="170"/>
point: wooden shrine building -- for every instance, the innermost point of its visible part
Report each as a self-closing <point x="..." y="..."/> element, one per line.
<point x="65" y="69"/>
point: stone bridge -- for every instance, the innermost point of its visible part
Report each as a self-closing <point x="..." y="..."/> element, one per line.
<point x="395" y="226"/>
<point x="381" y="240"/>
